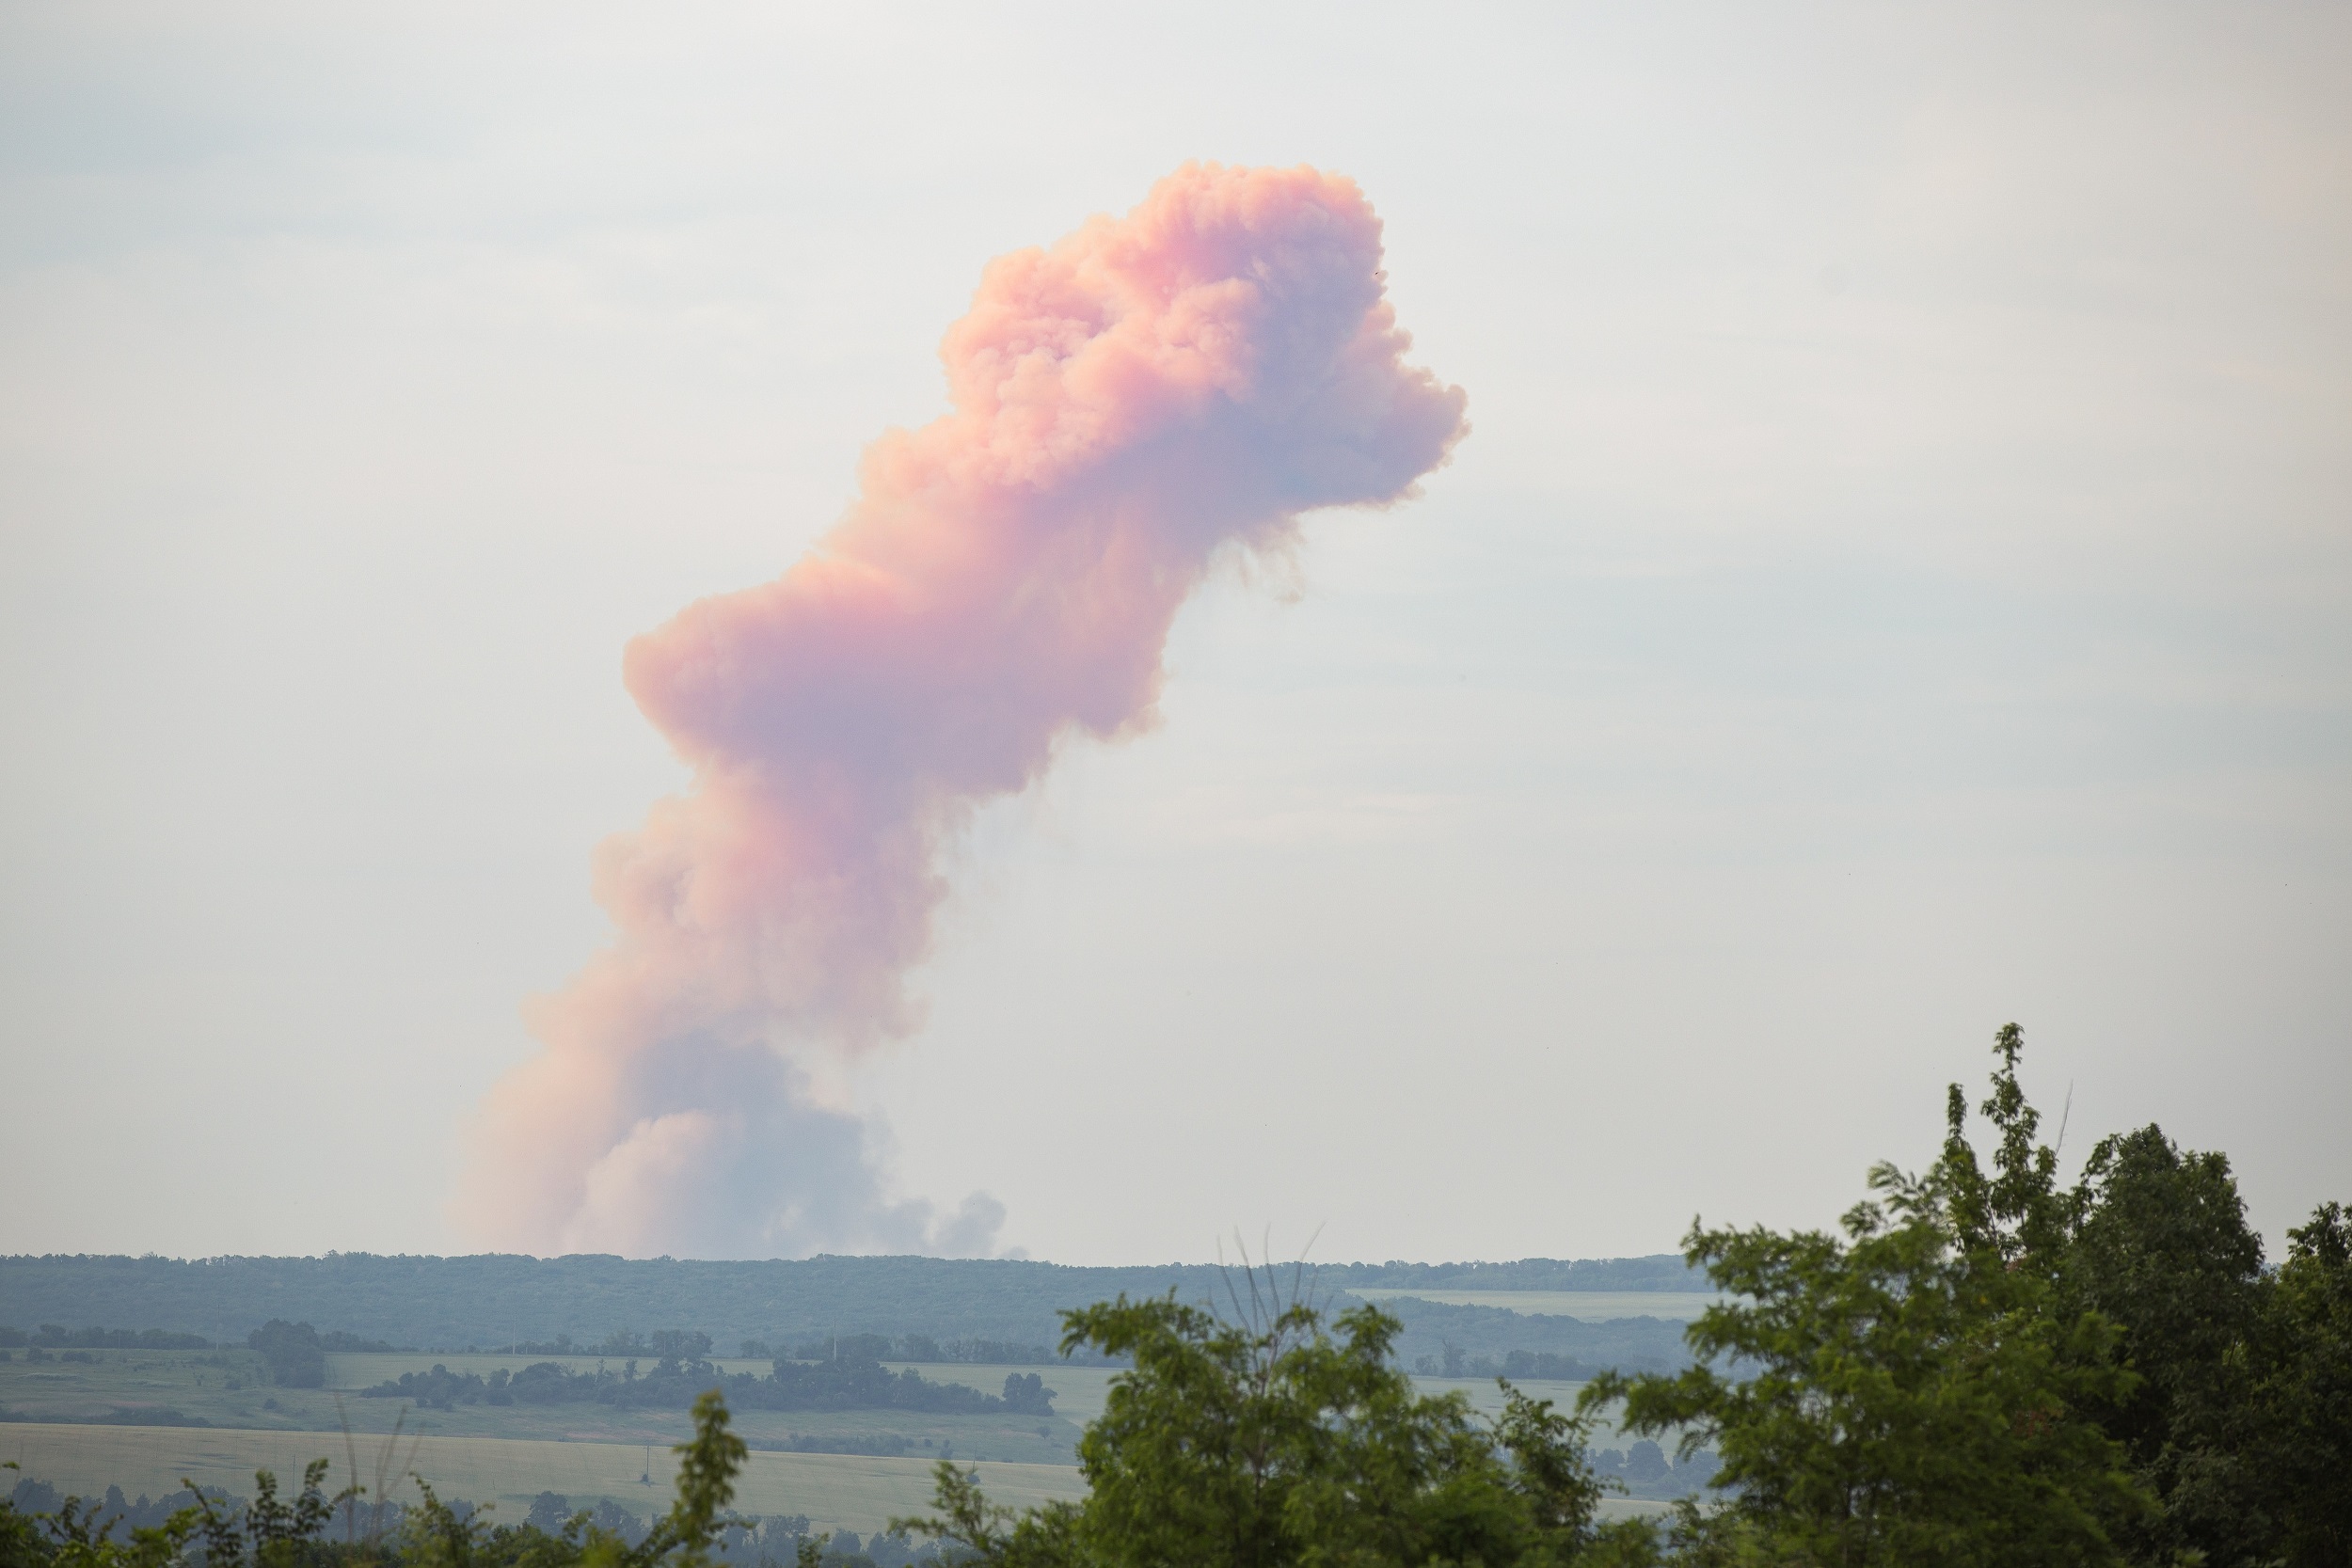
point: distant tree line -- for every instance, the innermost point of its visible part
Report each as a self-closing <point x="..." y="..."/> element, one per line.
<point x="1664" y="1272"/>
<point x="1646" y="1471"/>
<point x="137" y="1415"/>
<point x="1477" y="1340"/>
<point x="620" y="1343"/>
<point x="846" y="1382"/>
<point x="968" y="1351"/>
<point x="925" y="1348"/>
<point x="123" y="1515"/>
<point x="59" y="1336"/>
<point x="1453" y="1361"/>
<point x="564" y="1305"/>
<point x="1427" y="1328"/>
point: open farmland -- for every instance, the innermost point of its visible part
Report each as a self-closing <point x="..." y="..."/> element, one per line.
<point x="838" y="1490"/>
<point x="231" y="1389"/>
<point x="94" y="1421"/>
<point x="1591" y="1306"/>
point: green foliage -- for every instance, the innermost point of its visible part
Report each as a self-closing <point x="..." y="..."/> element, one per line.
<point x="1278" y="1441"/>
<point x="2305" y="1396"/>
<point x="266" y="1532"/>
<point x="433" y="1535"/>
<point x="297" y="1357"/>
<point x="78" y="1537"/>
<point x="59" y="1336"/>
<point x="848" y="1382"/>
<point x="271" y="1533"/>
<point x="1910" y="1391"/>
<point x="708" y="1465"/>
<point x="1984" y="1368"/>
<point x="2160" y="1248"/>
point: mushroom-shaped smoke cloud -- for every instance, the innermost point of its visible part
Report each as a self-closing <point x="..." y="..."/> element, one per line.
<point x="1150" y="392"/>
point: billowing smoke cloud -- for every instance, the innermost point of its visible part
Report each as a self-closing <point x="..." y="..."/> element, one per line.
<point x="1148" y="392"/>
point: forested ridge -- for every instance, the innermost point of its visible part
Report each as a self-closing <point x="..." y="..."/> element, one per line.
<point x="993" y="1312"/>
<point x="501" y="1299"/>
<point x="674" y="1382"/>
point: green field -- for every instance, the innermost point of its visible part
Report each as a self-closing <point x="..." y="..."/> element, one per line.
<point x="230" y="1390"/>
<point x="510" y="1453"/>
<point x="838" y="1490"/>
<point x="1590" y="1307"/>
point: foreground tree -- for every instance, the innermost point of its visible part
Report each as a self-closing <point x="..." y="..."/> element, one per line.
<point x="2305" y="1394"/>
<point x="2160" y="1248"/>
<point x="268" y="1533"/>
<point x="1279" y="1441"/>
<point x="437" y="1536"/>
<point x="1914" y="1390"/>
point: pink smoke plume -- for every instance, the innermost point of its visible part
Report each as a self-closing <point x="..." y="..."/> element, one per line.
<point x="1151" y="391"/>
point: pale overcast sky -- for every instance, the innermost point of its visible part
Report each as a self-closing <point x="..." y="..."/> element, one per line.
<point x="1899" y="581"/>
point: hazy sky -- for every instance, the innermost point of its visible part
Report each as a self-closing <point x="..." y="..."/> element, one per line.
<point x="1899" y="581"/>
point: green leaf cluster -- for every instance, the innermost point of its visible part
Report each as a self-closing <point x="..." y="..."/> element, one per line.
<point x="1282" y="1440"/>
<point x="1912" y="1391"/>
<point x="271" y="1533"/>
<point x="1982" y="1367"/>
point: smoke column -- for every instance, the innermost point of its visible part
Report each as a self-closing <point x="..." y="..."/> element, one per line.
<point x="1147" y="393"/>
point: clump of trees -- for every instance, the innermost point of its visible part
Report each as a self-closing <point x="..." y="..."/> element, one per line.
<point x="1983" y="1366"/>
<point x="1453" y="1361"/>
<point x="848" y="1382"/>
<point x="296" y="1353"/>
<point x="1282" y="1439"/>
<point x="627" y="1343"/>
<point x="59" y="1336"/>
<point x="295" y="1357"/>
<point x="970" y="1351"/>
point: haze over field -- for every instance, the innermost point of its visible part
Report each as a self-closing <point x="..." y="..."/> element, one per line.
<point x="1900" y="581"/>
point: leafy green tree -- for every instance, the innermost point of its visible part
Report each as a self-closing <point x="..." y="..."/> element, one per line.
<point x="271" y="1533"/>
<point x="1909" y="1391"/>
<point x="77" y="1536"/>
<point x="707" y="1465"/>
<point x="2161" y="1248"/>
<point x="437" y="1536"/>
<point x="297" y="1359"/>
<point x="2306" y="1396"/>
<point x="1279" y="1442"/>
